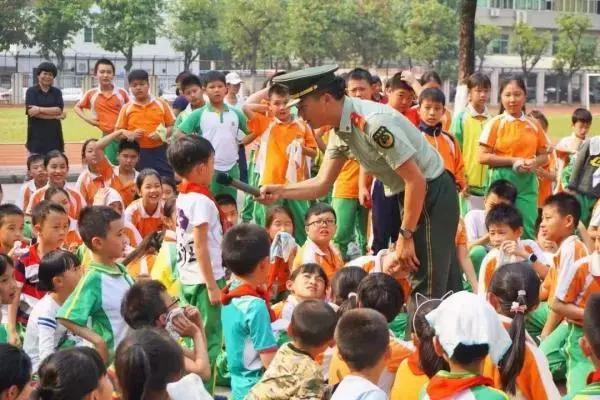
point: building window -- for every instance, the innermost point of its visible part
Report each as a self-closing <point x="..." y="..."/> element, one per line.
<point x="88" y="35"/>
<point x="549" y="5"/>
<point x="500" y="45"/>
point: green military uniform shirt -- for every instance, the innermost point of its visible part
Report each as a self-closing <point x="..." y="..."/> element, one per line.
<point x="381" y="140"/>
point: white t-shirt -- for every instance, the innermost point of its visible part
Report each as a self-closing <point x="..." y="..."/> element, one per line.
<point x="354" y="387"/>
<point x="475" y="225"/>
<point x="195" y="209"/>
<point x="44" y="333"/>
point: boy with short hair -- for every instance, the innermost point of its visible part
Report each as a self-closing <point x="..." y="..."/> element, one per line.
<point x="12" y="220"/>
<point x="104" y="103"/>
<point x="147" y="120"/>
<point x="192" y="89"/>
<point x="560" y="218"/>
<point x="59" y="273"/>
<point x="219" y="124"/>
<point x="228" y="206"/>
<point x="590" y="345"/>
<point x="294" y="374"/>
<point x="51" y="224"/>
<point x="285" y="145"/>
<point x="500" y="191"/>
<point x="466" y="127"/>
<point x="92" y="311"/>
<point x="246" y="315"/>
<point x="401" y="97"/>
<point x="148" y="305"/>
<point x="38" y="178"/>
<point x="362" y="340"/>
<point x="576" y="283"/>
<point x="200" y="227"/>
<point x="505" y="227"/>
<point x="567" y="147"/>
<point x="432" y="105"/>
<point x="320" y="224"/>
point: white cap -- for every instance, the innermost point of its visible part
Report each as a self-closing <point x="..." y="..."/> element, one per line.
<point x="468" y="319"/>
<point x="233" y="78"/>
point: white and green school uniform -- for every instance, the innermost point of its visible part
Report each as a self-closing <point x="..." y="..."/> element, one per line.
<point x="221" y="130"/>
<point x="96" y="302"/>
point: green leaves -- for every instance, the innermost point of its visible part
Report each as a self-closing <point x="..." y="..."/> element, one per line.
<point x="122" y="24"/>
<point x="575" y="48"/>
<point x="529" y="43"/>
<point x="13" y="23"/>
<point x="484" y="35"/>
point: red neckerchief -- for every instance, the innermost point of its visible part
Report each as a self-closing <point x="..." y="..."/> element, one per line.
<point x="414" y="364"/>
<point x="441" y="387"/>
<point x="593" y="377"/>
<point x="247" y="290"/>
<point x="191" y="187"/>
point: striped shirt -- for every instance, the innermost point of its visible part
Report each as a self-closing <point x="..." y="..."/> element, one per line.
<point x="577" y="282"/>
<point x="26" y="275"/>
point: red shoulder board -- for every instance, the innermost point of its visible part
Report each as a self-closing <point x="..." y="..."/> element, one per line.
<point x="358" y="121"/>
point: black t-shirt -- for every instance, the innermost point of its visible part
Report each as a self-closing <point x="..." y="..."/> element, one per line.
<point x="44" y="135"/>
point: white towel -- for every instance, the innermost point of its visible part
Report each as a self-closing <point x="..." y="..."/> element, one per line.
<point x="295" y="158"/>
<point x="283" y="245"/>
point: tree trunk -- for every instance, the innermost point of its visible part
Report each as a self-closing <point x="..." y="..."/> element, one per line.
<point x="570" y="89"/>
<point x="129" y="59"/>
<point x="481" y="64"/>
<point x="187" y="59"/>
<point x="466" y="46"/>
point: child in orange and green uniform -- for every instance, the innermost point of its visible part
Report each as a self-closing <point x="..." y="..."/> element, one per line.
<point x="547" y="172"/>
<point x="514" y="146"/>
<point x="523" y="371"/>
<point x="590" y="345"/>
<point x="415" y="371"/>
<point x="280" y="225"/>
<point x="467" y="330"/>
<point x="285" y="144"/>
<point x="320" y="222"/>
<point x="560" y="217"/>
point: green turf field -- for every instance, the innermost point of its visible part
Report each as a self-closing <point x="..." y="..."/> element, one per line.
<point x="13" y="126"/>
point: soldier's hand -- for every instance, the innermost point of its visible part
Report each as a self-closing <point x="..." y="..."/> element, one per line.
<point x="269" y="194"/>
<point x="364" y="196"/>
<point x="405" y="251"/>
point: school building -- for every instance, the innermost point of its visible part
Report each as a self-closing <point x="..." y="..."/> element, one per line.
<point x="545" y="84"/>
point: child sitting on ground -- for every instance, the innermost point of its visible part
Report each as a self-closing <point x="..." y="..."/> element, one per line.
<point x="523" y="371"/>
<point x="294" y="373"/>
<point x="307" y="282"/>
<point x="280" y="225"/>
<point x="415" y="371"/>
<point x="165" y="264"/>
<point x="320" y="223"/>
<point x="467" y="329"/>
<point x="59" y="273"/>
<point x="363" y="341"/>
<point x="246" y="314"/>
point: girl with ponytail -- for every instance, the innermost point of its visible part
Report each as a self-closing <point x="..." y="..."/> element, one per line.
<point x="523" y="372"/>
<point x="146" y="361"/>
<point x="73" y="374"/>
<point x="415" y="371"/>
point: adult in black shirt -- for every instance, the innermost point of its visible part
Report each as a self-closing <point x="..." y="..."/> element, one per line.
<point x="44" y="108"/>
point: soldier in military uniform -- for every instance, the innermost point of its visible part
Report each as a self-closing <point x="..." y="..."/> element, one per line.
<point x="391" y="148"/>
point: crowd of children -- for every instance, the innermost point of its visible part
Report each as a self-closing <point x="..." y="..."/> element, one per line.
<point x="143" y="281"/>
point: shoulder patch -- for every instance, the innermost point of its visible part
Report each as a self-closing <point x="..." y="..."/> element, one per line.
<point x="383" y="137"/>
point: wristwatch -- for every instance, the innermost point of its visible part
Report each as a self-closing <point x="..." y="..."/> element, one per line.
<point x="532" y="258"/>
<point x="406" y="233"/>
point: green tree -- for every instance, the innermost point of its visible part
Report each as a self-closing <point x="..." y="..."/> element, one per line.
<point x="484" y="35"/>
<point x="367" y="29"/>
<point x="575" y="48"/>
<point x="529" y="44"/>
<point x="190" y="26"/>
<point x="319" y="35"/>
<point x="54" y="24"/>
<point x="13" y="23"/>
<point x="431" y="35"/>
<point x="122" y="24"/>
<point x="246" y="27"/>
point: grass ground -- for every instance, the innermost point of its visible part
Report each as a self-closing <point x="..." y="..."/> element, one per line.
<point x="13" y="125"/>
